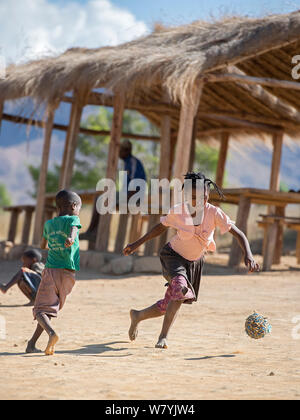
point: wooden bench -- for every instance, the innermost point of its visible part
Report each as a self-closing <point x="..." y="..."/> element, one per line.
<point x="15" y="212"/>
<point x="271" y="223"/>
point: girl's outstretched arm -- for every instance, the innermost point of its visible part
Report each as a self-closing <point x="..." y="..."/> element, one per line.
<point x="157" y="230"/>
<point x="244" y="244"/>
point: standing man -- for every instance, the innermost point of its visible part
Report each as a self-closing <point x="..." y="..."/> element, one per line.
<point x="135" y="170"/>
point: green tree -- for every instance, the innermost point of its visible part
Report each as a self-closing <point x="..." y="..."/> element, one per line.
<point x="206" y="159"/>
<point x="5" y="199"/>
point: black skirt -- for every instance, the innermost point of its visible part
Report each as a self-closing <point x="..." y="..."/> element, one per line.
<point x="174" y="265"/>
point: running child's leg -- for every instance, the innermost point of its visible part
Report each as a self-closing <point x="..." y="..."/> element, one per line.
<point x="44" y="322"/>
<point x="172" y="311"/>
<point x="152" y="311"/>
<point x="32" y="342"/>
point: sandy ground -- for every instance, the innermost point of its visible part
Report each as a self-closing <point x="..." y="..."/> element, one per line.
<point x="209" y="355"/>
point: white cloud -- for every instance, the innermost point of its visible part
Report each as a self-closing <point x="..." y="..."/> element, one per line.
<point x="14" y="163"/>
<point x="31" y="28"/>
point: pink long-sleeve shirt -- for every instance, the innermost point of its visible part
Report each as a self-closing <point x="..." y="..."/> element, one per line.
<point x="192" y="242"/>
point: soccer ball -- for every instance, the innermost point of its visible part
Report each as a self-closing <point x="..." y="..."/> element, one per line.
<point x="257" y="326"/>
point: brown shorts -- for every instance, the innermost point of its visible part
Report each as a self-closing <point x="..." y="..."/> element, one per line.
<point x="56" y="285"/>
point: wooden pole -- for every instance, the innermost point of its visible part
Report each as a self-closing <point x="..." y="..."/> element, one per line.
<point x="193" y="144"/>
<point x="222" y="159"/>
<point x="236" y="252"/>
<point x="186" y="123"/>
<point x="27" y="226"/>
<point x="71" y="141"/>
<point x="112" y="164"/>
<point x="21" y="120"/>
<point x="266" y="81"/>
<point x="41" y="191"/>
<point x="164" y="172"/>
<point x="276" y="160"/>
<point x="66" y="148"/>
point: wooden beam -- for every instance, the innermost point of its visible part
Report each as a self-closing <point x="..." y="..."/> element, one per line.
<point x="100" y="99"/>
<point x="271" y="101"/>
<point x="250" y="80"/>
<point x="276" y="160"/>
<point x="236" y="252"/>
<point x="66" y="148"/>
<point x="244" y="123"/>
<point x="72" y="140"/>
<point x="21" y="120"/>
<point x="112" y="164"/>
<point x="187" y="114"/>
<point x="222" y="159"/>
<point x="41" y="190"/>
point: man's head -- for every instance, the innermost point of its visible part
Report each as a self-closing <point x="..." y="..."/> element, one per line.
<point x="30" y="257"/>
<point x="125" y="149"/>
<point x="68" y="203"/>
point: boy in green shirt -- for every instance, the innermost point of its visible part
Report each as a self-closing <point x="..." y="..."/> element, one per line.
<point x="58" y="278"/>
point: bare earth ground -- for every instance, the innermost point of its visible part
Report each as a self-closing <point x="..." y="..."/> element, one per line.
<point x="209" y="357"/>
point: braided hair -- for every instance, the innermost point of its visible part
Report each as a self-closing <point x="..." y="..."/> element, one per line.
<point x="208" y="183"/>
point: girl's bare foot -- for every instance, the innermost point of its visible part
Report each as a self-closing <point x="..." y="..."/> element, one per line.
<point x="162" y="343"/>
<point x="31" y="348"/>
<point x="133" y="331"/>
<point x="53" y="339"/>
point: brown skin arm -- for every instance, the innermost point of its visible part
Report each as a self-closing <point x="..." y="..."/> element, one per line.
<point x="244" y="244"/>
<point x="71" y="239"/>
<point x="44" y="243"/>
<point x="157" y="230"/>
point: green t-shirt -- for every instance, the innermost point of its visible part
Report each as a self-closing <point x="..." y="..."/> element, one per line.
<point x="56" y="231"/>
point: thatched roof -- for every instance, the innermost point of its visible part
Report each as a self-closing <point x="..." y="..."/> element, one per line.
<point x="172" y="59"/>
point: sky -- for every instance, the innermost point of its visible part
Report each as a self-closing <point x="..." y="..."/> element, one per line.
<point x="33" y="28"/>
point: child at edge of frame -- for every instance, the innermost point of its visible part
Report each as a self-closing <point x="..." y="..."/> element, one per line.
<point x="58" y="278"/>
<point x="182" y="258"/>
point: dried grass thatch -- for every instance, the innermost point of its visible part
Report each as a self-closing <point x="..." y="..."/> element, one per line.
<point x="171" y="60"/>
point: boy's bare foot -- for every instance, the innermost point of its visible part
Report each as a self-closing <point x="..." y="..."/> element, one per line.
<point x="53" y="339"/>
<point x="31" y="348"/>
<point x="162" y="343"/>
<point x="133" y="331"/>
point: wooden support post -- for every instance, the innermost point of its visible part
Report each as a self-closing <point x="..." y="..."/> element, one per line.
<point x="298" y="247"/>
<point x="186" y="123"/>
<point x="279" y="211"/>
<point x="222" y="159"/>
<point x="39" y="213"/>
<point x="193" y="144"/>
<point x="164" y="173"/>
<point x="276" y="159"/>
<point x="236" y="252"/>
<point x="270" y="245"/>
<point x="121" y="235"/>
<point x="13" y="225"/>
<point x="27" y="226"/>
<point x="72" y="140"/>
<point x="66" y="148"/>
<point x="112" y="164"/>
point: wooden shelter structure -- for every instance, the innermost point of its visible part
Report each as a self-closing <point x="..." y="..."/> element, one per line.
<point x="194" y="82"/>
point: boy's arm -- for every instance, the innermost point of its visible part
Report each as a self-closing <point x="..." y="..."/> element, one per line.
<point x="12" y="282"/>
<point x="44" y="243"/>
<point x="244" y="244"/>
<point x="157" y="230"/>
<point x="71" y="239"/>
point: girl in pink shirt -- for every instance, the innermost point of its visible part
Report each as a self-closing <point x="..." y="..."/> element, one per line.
<point x="182" y="258"/>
